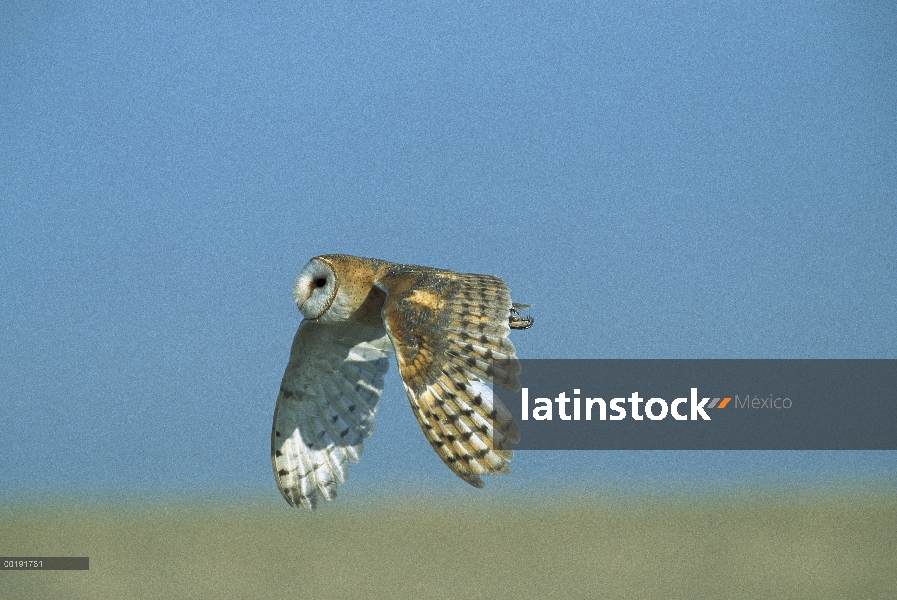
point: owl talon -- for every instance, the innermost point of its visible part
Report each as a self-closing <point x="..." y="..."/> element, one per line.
<point x="515" y="321"/>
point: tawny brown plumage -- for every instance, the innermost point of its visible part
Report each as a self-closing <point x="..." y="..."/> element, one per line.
<point x="449" y="332"/>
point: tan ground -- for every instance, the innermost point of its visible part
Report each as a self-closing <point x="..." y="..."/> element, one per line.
<point x="789" y="546"/>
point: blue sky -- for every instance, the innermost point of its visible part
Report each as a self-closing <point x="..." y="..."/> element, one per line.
<point x="658" y="180"/>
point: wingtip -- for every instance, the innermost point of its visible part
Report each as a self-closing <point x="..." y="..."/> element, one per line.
<point x="476" y="482"/>
<point x="309" y="503"/>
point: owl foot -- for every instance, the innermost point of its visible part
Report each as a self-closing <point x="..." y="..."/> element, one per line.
<point x="515" y="321"/>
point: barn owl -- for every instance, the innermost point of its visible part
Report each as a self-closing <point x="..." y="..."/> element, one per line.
<point x="449" y="333"/>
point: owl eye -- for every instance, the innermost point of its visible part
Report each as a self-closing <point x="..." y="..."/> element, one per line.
<point x="320" y="282"/>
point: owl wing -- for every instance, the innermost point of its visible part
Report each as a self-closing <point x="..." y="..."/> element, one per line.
<point x="326" y="407"/>
<point x="450" y="335"/>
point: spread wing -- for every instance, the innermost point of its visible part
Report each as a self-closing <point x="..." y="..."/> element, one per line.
<point x="450" y="334"/>
<point x="326" y="407"/>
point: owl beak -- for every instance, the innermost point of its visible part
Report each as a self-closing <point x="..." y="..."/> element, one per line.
<point x="307" y="297"/>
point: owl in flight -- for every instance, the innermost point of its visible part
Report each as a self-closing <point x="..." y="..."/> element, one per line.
<point x="449" y="332"/>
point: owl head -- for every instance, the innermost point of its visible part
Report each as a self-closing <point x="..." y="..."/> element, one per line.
<point x="316" y="288"/>
<point x="334" y="287"/>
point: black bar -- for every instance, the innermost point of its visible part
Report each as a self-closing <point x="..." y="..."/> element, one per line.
<point x="44" y="563"/>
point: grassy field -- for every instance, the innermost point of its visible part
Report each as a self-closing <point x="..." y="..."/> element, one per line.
<point x="786" y="546"/>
